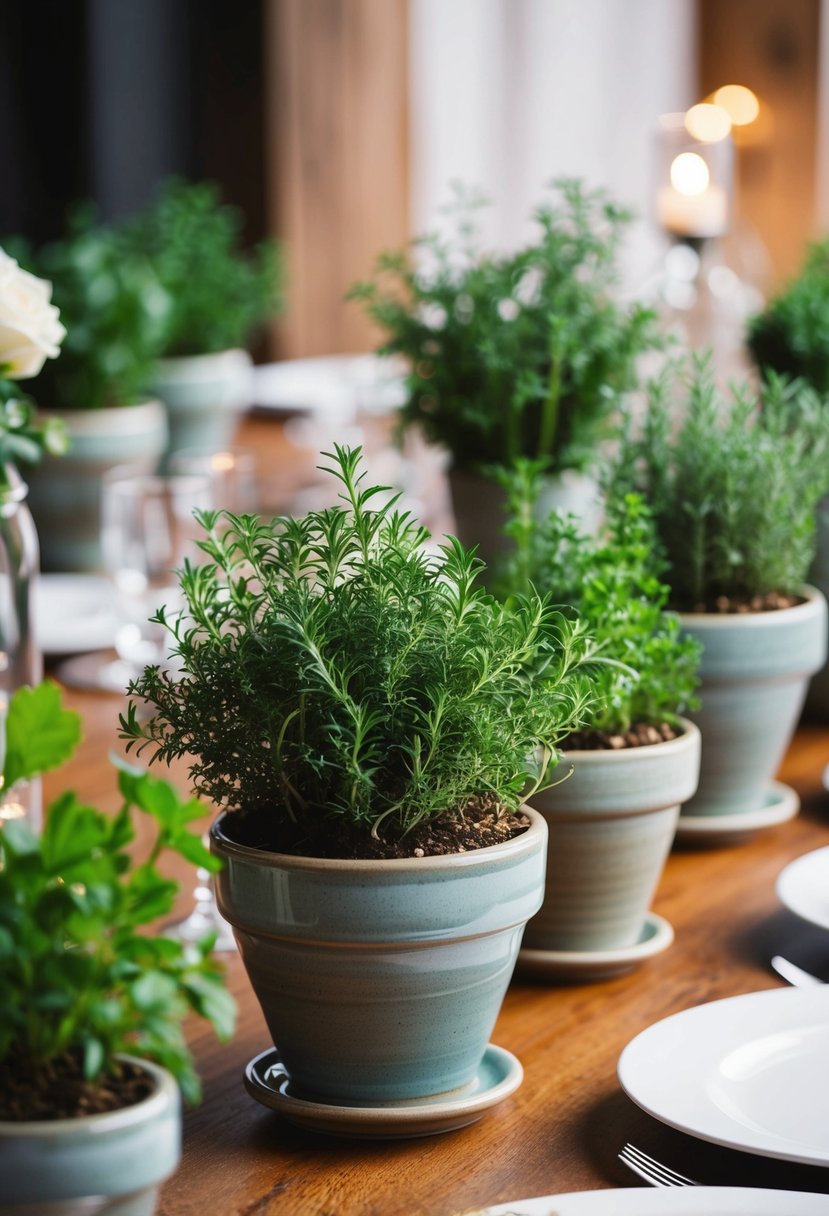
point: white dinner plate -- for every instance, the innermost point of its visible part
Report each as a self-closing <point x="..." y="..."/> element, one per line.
<point x="74" y="613"/>
<point x="803" y="886"/>
<point x="749" y="1072"/>
<point x="671" y="1201"/>
<point x="330" y="384"/>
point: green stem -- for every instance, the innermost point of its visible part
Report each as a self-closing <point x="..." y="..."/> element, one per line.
<point x="549" y="413"/>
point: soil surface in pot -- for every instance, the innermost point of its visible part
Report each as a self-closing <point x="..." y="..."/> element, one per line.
<point x="58" y="1090"/>
<point x="483" y="824"/>
<point x="640" y="734"/>
<point x="726" y="605"/>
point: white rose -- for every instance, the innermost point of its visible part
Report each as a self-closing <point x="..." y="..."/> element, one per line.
<point x="30" y="331"/>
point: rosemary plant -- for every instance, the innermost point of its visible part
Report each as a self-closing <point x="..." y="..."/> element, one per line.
<point x="614" y="583"/>
<point x="518" y="354"/>
<point x="335" y="673"/>
<point x="732" y="481"/>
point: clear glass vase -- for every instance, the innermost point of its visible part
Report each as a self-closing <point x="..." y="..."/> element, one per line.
<point x="20" y="659"/>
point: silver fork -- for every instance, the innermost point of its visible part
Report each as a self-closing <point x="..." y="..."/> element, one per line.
<point x="653" y="1171"/>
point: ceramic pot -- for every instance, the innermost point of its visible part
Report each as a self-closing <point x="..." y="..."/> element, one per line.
<point x="203" y="395"/>
<point x="479" y="506"/>
<point x="611" y="825"/>
<point x="380" y="980"/>
<point x="754" y="670"/>
<point x="97" y="1165"/>
<point x="65" y="491"/>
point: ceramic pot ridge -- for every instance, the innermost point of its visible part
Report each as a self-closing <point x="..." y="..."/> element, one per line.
<point x="95" y="1164"/>
<point x="380" y="980"/>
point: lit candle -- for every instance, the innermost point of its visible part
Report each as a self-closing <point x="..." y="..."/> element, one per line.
<point x="692" y="205"/>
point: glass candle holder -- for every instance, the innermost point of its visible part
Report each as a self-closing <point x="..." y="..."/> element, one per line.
<point x="694" y="179"/>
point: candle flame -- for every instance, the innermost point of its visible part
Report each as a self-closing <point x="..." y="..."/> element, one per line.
<point x="689" y="174"/>
<point x="740" y="103"/>
<point x="708" y="123"/>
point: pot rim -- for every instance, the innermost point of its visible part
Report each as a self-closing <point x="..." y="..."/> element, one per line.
<point x="508" y="850"/>
<point x="601" y="755"/>
<point x="812" y="601"/>
<point x="165" y="1091"/>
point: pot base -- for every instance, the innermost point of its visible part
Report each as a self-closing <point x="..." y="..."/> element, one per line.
<point x="498" y="1075"/>
<point x="780" y="804"/>
<point x="585" y="966"/>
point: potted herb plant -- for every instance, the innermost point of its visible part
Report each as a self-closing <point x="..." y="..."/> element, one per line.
<point x="634" y="760"/>
<point x="791" y="337"/>
<point x="369" y="720"/>
<point x="733" y="481"/>
<point x="522" y="354"/>
<point x="114" y="310"/>
<point x="220" y="296"/>
<point x="91" y="1047"/>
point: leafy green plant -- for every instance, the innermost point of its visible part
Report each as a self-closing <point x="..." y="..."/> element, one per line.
<point x="518" y="354"/>
<point x="219" y="294"/>
<point x="78" y="975"/>
<point x="334" y="672"/>
<point x="115" y="311"/>
<point x="791" y="335"/>
<point x="613" y="582"/>
<point x="24" y="438"/>
<point x="732" y="481"/>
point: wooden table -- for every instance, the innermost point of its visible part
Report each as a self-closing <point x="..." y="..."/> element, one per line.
<point x="562" y="1129"/>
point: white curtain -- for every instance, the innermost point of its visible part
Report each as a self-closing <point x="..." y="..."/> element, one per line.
<point x="508" y="94"/>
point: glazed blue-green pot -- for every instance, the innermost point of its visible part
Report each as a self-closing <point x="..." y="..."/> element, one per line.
<point x="380" y="980"/>
<point x="754" y="673"/>
<point x="65" y="491"/>
<point x="98" y="1165"/>
<point x="611" y="826"/>
<point x="203" y="395"/>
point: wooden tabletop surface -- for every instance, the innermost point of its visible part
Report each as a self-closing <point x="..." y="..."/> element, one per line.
<point x="561" y="1130"/>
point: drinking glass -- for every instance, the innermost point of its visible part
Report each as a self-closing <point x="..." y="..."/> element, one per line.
<point x="147" y="530"/>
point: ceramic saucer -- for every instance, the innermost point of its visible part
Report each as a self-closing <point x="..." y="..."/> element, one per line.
<point x="499" y="1074"/>
<point x="781" y="803"/>
<point x="587" y="965"/>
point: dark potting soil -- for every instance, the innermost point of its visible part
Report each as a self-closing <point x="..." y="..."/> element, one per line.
<point x="731" y="605"/>
<point x="640" y="734"/>
<point x="58" y="1090"/>
<point x="483" y="823"/>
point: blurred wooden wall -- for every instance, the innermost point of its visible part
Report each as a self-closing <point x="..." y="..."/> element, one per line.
<point x="772" y="46"/>
<point x="337" y="158"/>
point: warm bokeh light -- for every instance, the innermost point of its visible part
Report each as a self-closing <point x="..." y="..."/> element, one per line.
<point x="707" y="123"/>
<point x="689" y="174"/>
<point x="741" y="105"/>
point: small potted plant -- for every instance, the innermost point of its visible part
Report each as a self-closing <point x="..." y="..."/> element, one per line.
<point x="370" y="721"/>
<point x="522" y="354"/>
<point x="733" y="481"/>
<point x="791" y="337"/>
<point x="219" y="297"/>
<point x="635" y="759"/>
<point x="91" y="1045"/>
<point x="114" y="310"/>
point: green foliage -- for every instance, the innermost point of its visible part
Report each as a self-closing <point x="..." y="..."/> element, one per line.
<point x="24" y="438"/>
<point x="219" y="294"/>
<point x="613" y="583"/>
<point x="40" y="733"/>
<point x="115" y="311"/>
<point x="732" y="481"/>
<point x="516" y="354"/>
<point x="791" y="336"/>
<point x="76" y="971"/>
<point x="332" y="667"/>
